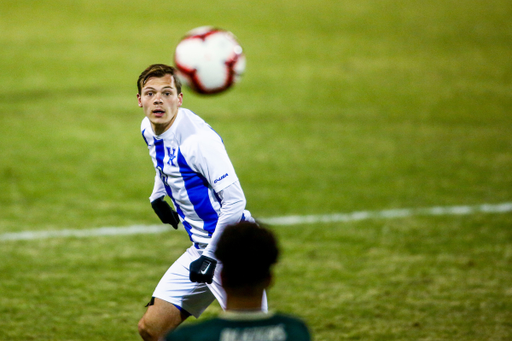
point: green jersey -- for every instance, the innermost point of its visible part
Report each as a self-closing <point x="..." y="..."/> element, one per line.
<point x="237" y="326"/>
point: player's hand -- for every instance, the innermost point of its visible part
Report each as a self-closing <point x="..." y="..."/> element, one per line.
<point x="166" y="214"/>
<point x="202" y="270"/>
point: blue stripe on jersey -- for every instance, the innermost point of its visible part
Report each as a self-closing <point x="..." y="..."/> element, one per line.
<point x="188" y="228"/>
<point x="144" y="137"/>
<point x="160" y="155"/>
<point x="197" y="190"/>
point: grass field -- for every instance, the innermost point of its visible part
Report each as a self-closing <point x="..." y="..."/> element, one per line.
<point x="345" y="106"/>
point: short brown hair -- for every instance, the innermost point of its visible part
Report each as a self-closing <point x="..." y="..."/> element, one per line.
<point x="247" y="252"/>
<point x="158" y="70"/>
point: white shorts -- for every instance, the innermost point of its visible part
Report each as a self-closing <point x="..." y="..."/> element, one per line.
<point x="176" y="288"/>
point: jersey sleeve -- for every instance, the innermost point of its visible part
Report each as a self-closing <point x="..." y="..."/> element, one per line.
<point x="231" y="212"/>
<point x="209" y="157"/>
<point x="158" y="188"/>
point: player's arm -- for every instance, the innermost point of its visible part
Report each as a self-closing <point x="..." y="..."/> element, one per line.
<point x="158" y="188"/>
<point x="162" y="209"/>
<point x="233" y="205"/>
<point x="212" y="161"/>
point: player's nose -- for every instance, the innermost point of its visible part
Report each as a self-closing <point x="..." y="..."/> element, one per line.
<point x="157" y="99"/>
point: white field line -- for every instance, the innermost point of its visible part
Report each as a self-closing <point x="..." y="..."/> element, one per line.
<point x="389" y="214"/>
<point x="286" y="220"/>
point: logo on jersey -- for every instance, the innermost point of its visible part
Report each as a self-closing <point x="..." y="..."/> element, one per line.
<point x="263" y="333"/>
<point x="172" y="156"/>
<point x="222" y="177"/>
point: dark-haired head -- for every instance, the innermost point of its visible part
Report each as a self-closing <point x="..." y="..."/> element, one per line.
<point x="158" y="70"/>
<point x="247" y="252"/>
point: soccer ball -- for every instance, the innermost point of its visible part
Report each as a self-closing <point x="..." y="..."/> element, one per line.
<point x="209" y="60"/>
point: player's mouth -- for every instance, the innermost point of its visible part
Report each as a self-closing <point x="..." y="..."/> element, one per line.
<point x="158" y="112"/>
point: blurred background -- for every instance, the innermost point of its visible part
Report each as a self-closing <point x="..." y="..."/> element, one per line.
<point x="345" y="106"/>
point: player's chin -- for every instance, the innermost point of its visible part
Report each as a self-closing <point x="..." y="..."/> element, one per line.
<point x="159" y="119"/>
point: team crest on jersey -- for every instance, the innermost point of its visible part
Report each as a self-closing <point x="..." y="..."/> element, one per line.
<point x="172" y="155"/>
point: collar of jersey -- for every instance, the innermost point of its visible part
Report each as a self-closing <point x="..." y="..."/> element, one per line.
<point x="245" y="315"/>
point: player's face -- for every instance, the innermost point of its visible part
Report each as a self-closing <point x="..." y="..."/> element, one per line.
<point x="160" y="101"/>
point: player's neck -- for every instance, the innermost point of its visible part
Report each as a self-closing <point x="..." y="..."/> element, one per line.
<point x="244" y="303"/>
<point x="159" y="129"/>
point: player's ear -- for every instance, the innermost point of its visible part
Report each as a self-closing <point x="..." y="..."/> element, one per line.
<point x="180" y="99"/>
<point x="139" y="100"/>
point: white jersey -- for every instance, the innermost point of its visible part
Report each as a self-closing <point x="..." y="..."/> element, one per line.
<point x="192" y="168"/>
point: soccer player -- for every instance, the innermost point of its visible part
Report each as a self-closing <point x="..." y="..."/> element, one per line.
<point x="247" y="253"/>
<point x="193" y="169"/>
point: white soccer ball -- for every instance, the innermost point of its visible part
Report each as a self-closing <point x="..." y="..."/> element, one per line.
<point x="209" y="60"/>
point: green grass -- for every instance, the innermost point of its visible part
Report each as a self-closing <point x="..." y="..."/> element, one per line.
<point x="399" y="281"/>
<point x="345" y="106"/>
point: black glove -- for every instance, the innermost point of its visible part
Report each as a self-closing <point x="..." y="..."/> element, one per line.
<point x="166" y="214"/>
<point x="202" y="269"/>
